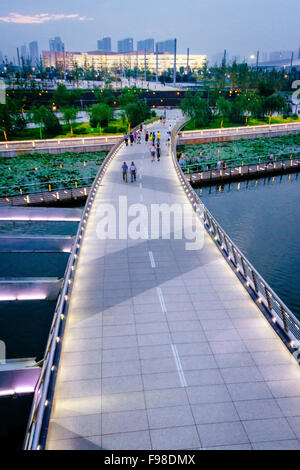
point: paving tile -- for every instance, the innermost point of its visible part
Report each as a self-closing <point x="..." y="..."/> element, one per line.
<point x="75" y="426"/>
<point x="78" y="443"/>
<point x="161" y="380"/>
<point x="154" y="339"/>
<point x="203" y="377"/>
<point x="170" y="417"/>
<point x="185" y="437"/>
<point x="166" y="397"/>
<point x="219" y="434"/>
<point x="294" y="422"/>
<point x="120" y="354"/>
<point x="151" y="366"/>
<point x="122" y="368"/>
<point x="214" y="413"/>
<point x="258" y="409"/>
<point x="126" y="401"/>
<point x="234" y="360"/>
<point x="289" y="406"/>
<point x="274" y="429"/>
<point x="249" y="391"/>
<point x="124" y="421"/>
<point x="291" y="444"/>
<point x="198" y="362"/>
<point x="208" y="394"/>
<point x="127" y="441"/>
<point x="242" y="374"/>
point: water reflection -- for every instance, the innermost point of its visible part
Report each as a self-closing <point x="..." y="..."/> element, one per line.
<point x="263" y="218"/>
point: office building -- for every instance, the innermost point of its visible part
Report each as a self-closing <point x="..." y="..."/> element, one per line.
<point x="104" y="44"/>
<point x="166" y="46"/>
<point x="125" y="45"/>
<point x="145" y="45"/>
<point x="34" y="52"/>
<point x="112" y="60"/>
<point x="56" y="45"/>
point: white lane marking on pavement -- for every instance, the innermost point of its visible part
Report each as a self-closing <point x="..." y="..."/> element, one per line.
<point x="161" y="299"/>
<point x="153" y="265"/>
<point x="179" y="366"/>
<point x="140" y="185"/>
<point x="140" y="176"/>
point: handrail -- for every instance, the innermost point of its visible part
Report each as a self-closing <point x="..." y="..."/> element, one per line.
<point x="238" y="130"/>
<point x="36" y="433"/>
<point x="278" y="314"/>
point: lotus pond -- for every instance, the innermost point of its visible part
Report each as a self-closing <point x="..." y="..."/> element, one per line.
<point x="238" y="152"/>
<point x="34" y="172"/>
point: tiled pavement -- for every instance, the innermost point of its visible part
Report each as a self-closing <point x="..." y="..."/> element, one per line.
<point x="166" y="350"/>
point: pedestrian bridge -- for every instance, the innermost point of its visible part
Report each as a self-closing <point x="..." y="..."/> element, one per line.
<point x="154" y="346"/>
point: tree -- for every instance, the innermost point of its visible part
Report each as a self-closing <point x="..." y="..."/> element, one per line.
<point x="65" y="98"/>
<point x="274" y="103"/>
<point x="136" y="112"/>
<point x="224" y="108"/>
<point x="36" y="115"/>
<point x="99" y="114"/>
<point x="46" y="119"/>
<point x="106" y="96"/>
<point x="197" y="109"/>
<point x="69" y="117"/>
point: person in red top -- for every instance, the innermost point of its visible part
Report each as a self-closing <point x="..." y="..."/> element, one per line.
<point x="224" y="165"/>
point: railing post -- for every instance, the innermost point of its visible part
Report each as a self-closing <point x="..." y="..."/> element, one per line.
<point x="254" y="281"/>
<point x="283" y="316"/>
<point x="268" y="298"/>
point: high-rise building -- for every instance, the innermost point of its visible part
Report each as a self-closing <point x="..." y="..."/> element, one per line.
<point x="166" y="46"/>
<point x="145" y="45"/>
<point x="104" y="44"/>
<point x="34" y="52"/>
<point x="125" y="45"/>
<point x="56" y="45"/>
<point x="24" y="52"/>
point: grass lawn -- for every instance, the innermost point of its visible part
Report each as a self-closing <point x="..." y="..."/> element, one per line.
<point x="114" y="127"/>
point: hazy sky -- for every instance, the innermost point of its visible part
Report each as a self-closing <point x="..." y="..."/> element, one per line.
<point x="205" y="26"/>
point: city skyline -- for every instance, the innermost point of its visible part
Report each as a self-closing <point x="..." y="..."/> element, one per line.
<point x="240" y="29"/>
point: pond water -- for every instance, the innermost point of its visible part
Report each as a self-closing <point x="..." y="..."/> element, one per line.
<point x="263" y="218"/>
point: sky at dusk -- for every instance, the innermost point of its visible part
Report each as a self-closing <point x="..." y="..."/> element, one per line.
<point x="205" y="26"/>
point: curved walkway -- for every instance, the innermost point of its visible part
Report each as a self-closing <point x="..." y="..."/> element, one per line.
<point x="163" y="347"/>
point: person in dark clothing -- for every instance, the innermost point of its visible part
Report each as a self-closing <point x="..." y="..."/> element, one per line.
<point x="133" y="171"/>
<point x="146" y="137"/>
<point x="131" y="138"/>
<point x="158" y="152"/>
<point x="124" y="171"/>
<point x="126" y="139"/>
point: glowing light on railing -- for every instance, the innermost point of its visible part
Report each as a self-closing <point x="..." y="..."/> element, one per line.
<point x="259" y="300"/>
<point x="7" y="298"/>
<point x="274" y="320"/>
<point x="46" y="403"/>
<point x="57" y="339"/>
<point x="31" y="297"/>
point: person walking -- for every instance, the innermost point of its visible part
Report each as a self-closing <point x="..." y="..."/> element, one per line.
<point x="131" y="138"/>
<point x="124" y="171"/>
<point x="146" y="137"/>
<point x="158" y="138"/>
<point x="153" y="137"/>
<point x="152" y="152"/>
<point x="158" y="152"/>
<point x="224" y="165"/>
<point x="133" y="171"/>
<point x="126" y="139"/>
<point x="150" y="138"/>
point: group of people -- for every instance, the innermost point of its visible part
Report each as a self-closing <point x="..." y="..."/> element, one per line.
<point x="132" y="169"/>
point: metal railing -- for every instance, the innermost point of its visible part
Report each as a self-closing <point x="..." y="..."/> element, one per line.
<point x="238" y="130"/>
<point x="42" y="187"/>
<point x="211" y="165"/>
<point x="36" y="433"/>
<point x="279" y="315"/>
